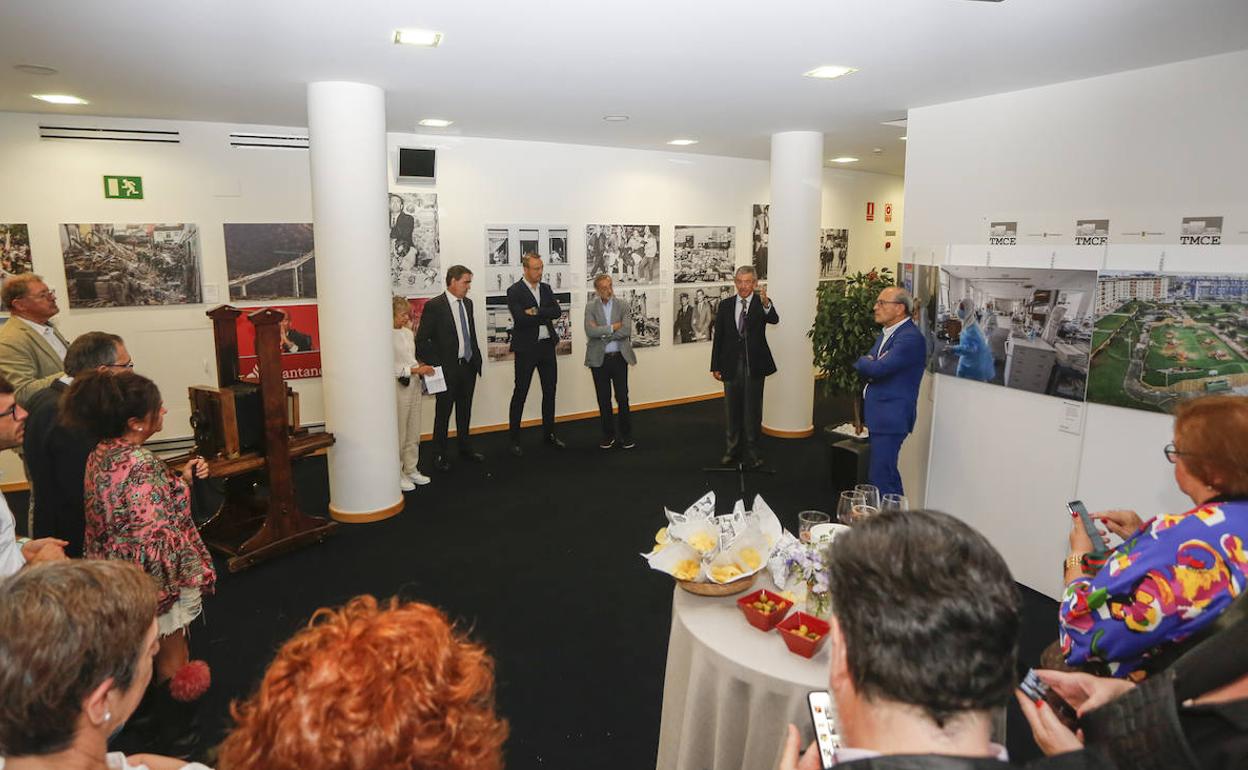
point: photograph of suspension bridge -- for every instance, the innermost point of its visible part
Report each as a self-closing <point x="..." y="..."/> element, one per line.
<point x="270" y="261"/>
<point x="1162" y="337"/>
<point x="110" y="265"/>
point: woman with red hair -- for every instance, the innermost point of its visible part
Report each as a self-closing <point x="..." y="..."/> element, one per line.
<point x="390" y="687"/>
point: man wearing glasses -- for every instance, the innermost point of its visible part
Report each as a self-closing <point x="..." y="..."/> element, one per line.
<point x="16" y="554"/>
<point x="32" y="351"/>
<point x="893" y="370"/>
<point x="56" y="455"/>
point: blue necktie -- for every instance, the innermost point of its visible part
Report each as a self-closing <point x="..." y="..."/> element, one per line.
<point x="741" y="319"/>
<point x="463" y="325"/>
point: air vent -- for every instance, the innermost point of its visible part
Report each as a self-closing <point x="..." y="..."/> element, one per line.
<point x="89" y="134"/>
<point x="270" y="141"/>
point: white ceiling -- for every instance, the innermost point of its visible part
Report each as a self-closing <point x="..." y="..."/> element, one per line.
<point x="727" y="72"/>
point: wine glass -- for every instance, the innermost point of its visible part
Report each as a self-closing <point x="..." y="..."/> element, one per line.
<point x="872" y="493"/>
<point x="808" y="519"/>
<point x="861" y="512"/>
<point x="845" y="505"/>
<point x="894" y="502"/>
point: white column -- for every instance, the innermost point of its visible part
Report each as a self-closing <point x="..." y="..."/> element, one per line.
<point x="347" y="132"/>
<point x="792" y="273"/>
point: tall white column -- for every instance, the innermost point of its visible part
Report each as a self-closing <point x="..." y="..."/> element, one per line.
<point x="347" y="133"/>
<point x="792" y="273"/>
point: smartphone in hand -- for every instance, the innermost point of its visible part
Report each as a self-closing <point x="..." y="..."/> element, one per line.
<point x="1035" y="688"/>
<point x="1076" y="508"/>
<point x="820" y="702"/>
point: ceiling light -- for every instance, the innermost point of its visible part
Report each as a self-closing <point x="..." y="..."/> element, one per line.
<point x="830" y="71"/>
<point x="422" y="37"/>
<point x="683" y="142"/>
<point x="59" y="99"/>
<point x="615" y="118"/>
<point x="903" y="138"/>
<point x="34" y="69"/>
<point x="844" y="159"/>
<point x="436" y="122"/>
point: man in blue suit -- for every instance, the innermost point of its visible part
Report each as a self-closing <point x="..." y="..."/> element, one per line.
<point x="893" y="370"/>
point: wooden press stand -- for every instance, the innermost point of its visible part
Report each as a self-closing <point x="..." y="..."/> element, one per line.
<point x="249" y="528"/>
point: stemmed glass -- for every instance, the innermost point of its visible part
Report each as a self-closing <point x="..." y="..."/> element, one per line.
<point x="871" y="492"/>
<point x="845" y="505"/>
<point x="808" y="519"/>
<point x="861" y="512"/>
<point x="894" y="502"/>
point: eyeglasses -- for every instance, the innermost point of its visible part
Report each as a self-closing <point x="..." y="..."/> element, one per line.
<point x="128" y="365"/>
<point x="10" y="412"/>
<point x="889" y="302"/>
<point x="46" y="294"/>
<point x="1172" y="453"/>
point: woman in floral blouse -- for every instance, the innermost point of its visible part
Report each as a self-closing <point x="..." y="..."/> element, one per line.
<point x="138" y="510"/>
<point x="1174" y="574"/>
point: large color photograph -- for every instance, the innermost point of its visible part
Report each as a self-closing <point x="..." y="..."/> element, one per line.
<point x="1164" y="337"/>
<point x="300" y="342"/>
<point x="14" y="251"/>
<point x="131" y="265"/>
<point x="270" y="261"/>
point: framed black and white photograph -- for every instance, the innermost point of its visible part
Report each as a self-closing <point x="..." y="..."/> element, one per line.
<point x="505" y="245"/>
<point x="270" y="261"/>
<point x="704" y="254"/>
<point x="557" y="246"/>
<point x="14" y="251"/>
<point x="112" y="265"/>
<point x="415" y="264"/>
<point x="627" y="253"/>
<point x="498" y="327"/>
<point x="694" y="309"/>
<point x="530" y="237"/>
<point x="759" y="238"/>
<point x="833" y="252"/>
<point x="643" y="304"/>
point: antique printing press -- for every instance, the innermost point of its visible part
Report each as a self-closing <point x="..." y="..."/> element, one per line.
<point x="249" y="433"/>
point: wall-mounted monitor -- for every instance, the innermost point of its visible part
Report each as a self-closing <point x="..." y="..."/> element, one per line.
<point x="417" y="164"/>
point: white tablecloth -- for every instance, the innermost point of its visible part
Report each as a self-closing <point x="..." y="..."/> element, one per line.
<point x="731" y="689"/>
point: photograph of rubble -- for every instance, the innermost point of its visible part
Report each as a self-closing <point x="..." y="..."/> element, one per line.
<point x="131" y="265"/>
<point x="270" y="261"/>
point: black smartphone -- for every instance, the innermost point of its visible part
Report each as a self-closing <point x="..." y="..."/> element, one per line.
<point x="820" y="702"/>
<point x="1076" y="507"/>
<point x="1035" y="688"/>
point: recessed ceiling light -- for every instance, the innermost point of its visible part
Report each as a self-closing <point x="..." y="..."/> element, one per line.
<point x="683" y="142"/>
<point x="34" y="69"/>
<point x="422" y="37"/>
<point x="59" y="99"/>
<point x="830" y="71"/>
<point x="615" y="118"/>
<point x="844" y="159"/>
<point x="436" y="122"/>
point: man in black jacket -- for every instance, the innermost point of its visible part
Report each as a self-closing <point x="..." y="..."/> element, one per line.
<point x="741" y="359"/>
<point x="447" y="337"/>
<point x="56" y="455"/>
<point x="533" y="339"/>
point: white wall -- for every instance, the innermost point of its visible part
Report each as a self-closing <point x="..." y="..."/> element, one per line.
<point x="1142" y="148"/>
<point x="480" y="181"/>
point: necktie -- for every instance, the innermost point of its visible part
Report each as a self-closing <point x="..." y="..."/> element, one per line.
<point x="463" y="325"/>
<point x="741" y="319"/>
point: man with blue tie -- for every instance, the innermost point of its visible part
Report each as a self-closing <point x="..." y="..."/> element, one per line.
<point x="447" y="337"/>
<point x="893" y="370"/>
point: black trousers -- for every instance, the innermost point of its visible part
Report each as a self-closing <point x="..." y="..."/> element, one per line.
<point x="460" y="385"/>
<point x="541" y="358"/>
<point x="613" y="374"/>
<point x="743" y="406"/>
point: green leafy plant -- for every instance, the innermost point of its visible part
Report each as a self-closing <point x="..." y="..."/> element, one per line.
<point x="845" y="329"/>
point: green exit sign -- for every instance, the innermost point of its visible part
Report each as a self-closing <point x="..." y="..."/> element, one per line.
<point x="127" y="187"/>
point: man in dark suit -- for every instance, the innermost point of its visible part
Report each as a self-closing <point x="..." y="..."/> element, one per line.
<point x="533" y="339"/>
<point x="56" y="455"/>
<point x="684" y="319"/>
<point x="741" y="359"/>
<point x="893" y="370"/>
<point x="447" y="337"/>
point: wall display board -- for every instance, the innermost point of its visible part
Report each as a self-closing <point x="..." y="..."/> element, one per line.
<point x="300" y="342"/>
<point x="506" y="244"/>
<point x="833" y="252"/>
<point x="695" y="309"/>
<point x="270" y="261"/>
<point x="415" y="248"/>
<point x="498" y="327"/>
<point x="131" y="265"/>
<point x="759" y="239"/>
<point x="14" y="251"/>
<point x="1024" y="328"/>
<point x="627" y="253"/>
<point x="1164" y="337"/>
<point x="704" y="254"/>
<point x="644" y="306"/>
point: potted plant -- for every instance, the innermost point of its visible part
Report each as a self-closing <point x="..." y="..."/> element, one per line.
<point x="844" y="331"/>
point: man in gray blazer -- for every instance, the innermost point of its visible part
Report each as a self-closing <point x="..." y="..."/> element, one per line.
<point x="32" y="350"/>
<point x="608" y="354"/>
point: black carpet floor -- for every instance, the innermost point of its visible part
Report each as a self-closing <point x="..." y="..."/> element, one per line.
<point x="537" y="557"/>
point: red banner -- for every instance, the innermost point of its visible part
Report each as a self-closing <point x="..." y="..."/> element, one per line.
<point x="301" y="342"/>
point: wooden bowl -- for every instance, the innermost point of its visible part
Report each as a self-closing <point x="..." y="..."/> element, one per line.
<point x="718" y="589"/>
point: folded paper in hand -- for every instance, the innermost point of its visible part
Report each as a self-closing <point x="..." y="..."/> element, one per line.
<point x="433" y="383"/>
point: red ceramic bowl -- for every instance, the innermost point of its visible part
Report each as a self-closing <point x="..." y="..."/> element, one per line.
<point x="799" y="644"/>
<point x="763" y="621"/>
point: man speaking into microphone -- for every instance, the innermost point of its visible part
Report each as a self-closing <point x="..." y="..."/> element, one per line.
<point x="741" y="360"/>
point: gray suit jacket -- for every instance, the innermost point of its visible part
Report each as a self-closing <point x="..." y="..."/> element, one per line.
<point x="598" y="330"/>
<point x="27" y="361"/>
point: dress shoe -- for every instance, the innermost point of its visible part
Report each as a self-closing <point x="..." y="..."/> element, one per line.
<point x="442" y="464"/>
<point x="606" y="443"/>
<point x="554" y="441"/>
<point x="728" y="460"/>
<point x="628" y="443"/>
<point x="471" y="456"/>
<point x="517" y="450"/>
<point x="418" y="478"/>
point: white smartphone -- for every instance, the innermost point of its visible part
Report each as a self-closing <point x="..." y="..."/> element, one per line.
<point x="826" y="737"/>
